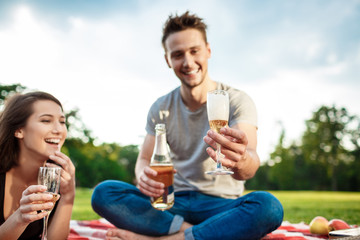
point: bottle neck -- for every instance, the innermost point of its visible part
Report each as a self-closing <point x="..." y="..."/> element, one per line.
<point x="160" y="144"/>
<point x="161" y="153"/>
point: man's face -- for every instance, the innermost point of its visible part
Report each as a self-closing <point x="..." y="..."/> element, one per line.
<point x="187" y="54"/>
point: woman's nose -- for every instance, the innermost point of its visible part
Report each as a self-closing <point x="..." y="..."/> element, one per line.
<point x="57" y="128"/>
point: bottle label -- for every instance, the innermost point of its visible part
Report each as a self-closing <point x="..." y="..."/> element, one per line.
<point x="170" y="196"/>
<point x="160" y="157"/>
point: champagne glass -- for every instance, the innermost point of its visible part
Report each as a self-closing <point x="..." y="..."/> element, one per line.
<point x="49" y="177"/>
<point x="218" y="115"/>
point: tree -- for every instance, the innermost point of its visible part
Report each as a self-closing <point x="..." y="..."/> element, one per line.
<point x="93" y="163"/>
<point x="326" y="158"/>
<point x="325" y="140"/>
<point x="96" y="163"/>
<point x="9" y="90"/>
<point x="76" y="127"/>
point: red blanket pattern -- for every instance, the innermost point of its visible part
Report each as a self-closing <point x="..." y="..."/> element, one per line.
<point x="96" y="229"/>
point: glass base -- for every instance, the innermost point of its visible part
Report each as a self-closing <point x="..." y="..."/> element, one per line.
<point x="220" y="172"/>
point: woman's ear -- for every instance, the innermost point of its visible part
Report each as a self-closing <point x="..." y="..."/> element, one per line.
<point x="19" y="134"/>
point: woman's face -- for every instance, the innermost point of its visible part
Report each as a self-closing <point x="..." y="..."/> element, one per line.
<point x="45" y="130"/>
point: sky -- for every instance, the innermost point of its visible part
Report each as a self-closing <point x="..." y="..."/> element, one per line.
<point x="105" y="58"/>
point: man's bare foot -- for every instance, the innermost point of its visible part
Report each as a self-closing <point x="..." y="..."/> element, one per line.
<point x="117" y="234"/>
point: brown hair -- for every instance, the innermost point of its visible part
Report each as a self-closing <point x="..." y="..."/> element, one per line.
<point x="17" y="110"/>
<point x="179" y="23"/>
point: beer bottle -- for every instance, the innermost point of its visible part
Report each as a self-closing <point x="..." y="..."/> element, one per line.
<point x="162" y="164"/>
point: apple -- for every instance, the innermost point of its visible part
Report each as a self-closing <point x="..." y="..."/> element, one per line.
<point x="319" y="225"/>
<point x="338" y="224"/>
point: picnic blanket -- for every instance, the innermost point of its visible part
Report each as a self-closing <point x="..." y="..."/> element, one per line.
<point x="96" y="229"/>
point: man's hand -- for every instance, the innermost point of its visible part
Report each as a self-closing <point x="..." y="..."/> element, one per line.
<point x="147" y="185"/>
<point x="234" y="147"/>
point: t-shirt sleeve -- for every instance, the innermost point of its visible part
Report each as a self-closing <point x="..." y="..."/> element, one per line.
<point x="159" y="111"/>
<point x="242" y="109"/>
<point x="152" y="119"/>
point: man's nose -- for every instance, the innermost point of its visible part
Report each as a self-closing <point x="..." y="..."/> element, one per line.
<point x="188" y="60"/>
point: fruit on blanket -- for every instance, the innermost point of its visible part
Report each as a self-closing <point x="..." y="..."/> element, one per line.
<point x="319" y="225"/>
<point x="338" y="224"/>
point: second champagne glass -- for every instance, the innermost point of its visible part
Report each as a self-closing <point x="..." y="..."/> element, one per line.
<point x="49" y="177"/>
<point x="218" y="115"/>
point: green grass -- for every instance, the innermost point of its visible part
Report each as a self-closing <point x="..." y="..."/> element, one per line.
<point x="82" y="207"/>
<point x="299" y="206"/>
<point x="305" y="205"/>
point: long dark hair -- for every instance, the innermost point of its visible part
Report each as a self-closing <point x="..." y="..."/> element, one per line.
<point x="17" y="110"/>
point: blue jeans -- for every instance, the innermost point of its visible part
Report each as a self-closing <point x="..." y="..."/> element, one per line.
<point x="249" y="217"/>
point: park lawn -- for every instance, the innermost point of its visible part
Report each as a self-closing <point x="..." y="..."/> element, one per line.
<point x="303" y="206"/>
<point x="82" y="207"/>
<point x="299" y="206"/>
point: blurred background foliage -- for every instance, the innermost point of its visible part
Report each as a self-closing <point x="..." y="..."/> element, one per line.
<point x="94" y="163"/>
<point x="327" y="157"/>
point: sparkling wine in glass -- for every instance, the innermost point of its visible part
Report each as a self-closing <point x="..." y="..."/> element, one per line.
<point x="218" y="115"/>
<point x="49" y="177"/>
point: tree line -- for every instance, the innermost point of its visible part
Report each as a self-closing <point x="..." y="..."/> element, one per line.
<point x="94" y="163"/>
<point x="327" y="157"/>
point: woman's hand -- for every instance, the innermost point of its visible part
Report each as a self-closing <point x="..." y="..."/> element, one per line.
<point x="31" y="204"/>
<point x="33" y="200"/>
<point x="67" y="184"/>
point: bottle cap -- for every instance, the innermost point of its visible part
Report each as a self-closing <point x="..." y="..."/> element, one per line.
<point x="160" y="126"/>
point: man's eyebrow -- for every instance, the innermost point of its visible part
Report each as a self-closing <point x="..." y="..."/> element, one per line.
<point x="181" y="51"/>
<point x="176" y="52"/>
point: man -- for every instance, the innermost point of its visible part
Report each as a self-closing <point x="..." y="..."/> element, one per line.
<point x="206" y="206"/>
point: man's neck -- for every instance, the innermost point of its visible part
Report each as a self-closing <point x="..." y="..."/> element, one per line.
<point x="195" y="97"/>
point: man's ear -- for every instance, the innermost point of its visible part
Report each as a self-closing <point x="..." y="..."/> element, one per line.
<point x="208" y="49"/>
<point x="167" y="60"/>
<point x="19" y="134"/>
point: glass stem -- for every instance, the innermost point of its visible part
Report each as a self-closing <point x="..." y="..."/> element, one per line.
<point x="218" y="155"/>
<point x="44" y="234"/>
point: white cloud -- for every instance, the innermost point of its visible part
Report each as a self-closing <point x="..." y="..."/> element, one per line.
<point x="96" y="66"/>
<point x="291" y="96"/>
<point x="112" y="68"/>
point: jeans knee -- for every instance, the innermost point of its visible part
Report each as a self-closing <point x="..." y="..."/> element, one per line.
<point x="98" y="194"/>
<point x="271" y="208"/>
<point x="104" y="192"/>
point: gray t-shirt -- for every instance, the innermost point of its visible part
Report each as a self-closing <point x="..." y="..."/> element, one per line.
<point x="185" y="130"/>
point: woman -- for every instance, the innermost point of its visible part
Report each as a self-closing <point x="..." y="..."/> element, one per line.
<point x="32" y="130"/>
